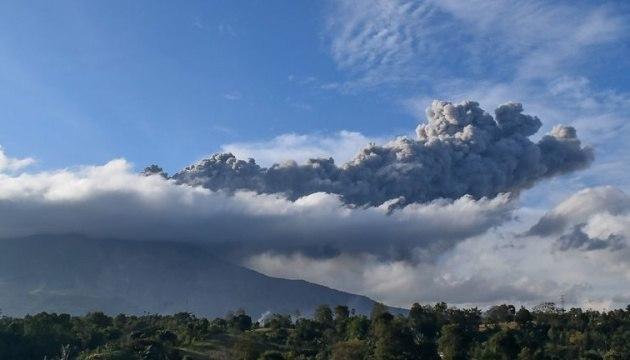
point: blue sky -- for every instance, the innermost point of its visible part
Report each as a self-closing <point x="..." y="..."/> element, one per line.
<point x="168" y="83"/>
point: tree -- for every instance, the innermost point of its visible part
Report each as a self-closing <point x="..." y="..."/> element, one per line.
<point x="574" y="334"/>
<point x="167" y="336"/>
<point x="453" y="342"/>
<point x="271" y="355"/>
<point x="350" y="350"/>
<point x="305" y="339"/>
<point x="246" y="347"/>
<point x="278" y="321"/>
<point x="546" y="308"/>
<point x="382" y="332"/>
<point x="99" y="319"/>
<point x="424" y="325"/>
<point x="523" y="316"/>
<point x="500" y="313"/>
<point x="342" y="315"/>
<point x="341" y="312"/>
<point x="324" y="316"/>
<point x="216" y="326"/>
<point x="423" y="321"/>
<point x="358" y="328"/>
<point x="278" y="326"/>
<point x="393" y="338"/>
<point x="504" y="345"/>
<point x="377" y="310"/>
<point x="240" y="322"/>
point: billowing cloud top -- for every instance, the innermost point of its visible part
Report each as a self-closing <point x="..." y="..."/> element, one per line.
<point x="460" y="150"/>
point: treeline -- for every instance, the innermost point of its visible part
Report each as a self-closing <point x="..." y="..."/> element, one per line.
<point x="426" y="332"/>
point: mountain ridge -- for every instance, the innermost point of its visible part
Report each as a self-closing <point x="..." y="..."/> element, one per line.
<point x="75" y="274"/>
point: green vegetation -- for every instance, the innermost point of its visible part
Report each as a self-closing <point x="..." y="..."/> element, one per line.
<point x="426" y="332"/>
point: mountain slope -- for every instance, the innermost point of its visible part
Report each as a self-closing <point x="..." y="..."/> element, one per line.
<point x="75" y="275"/>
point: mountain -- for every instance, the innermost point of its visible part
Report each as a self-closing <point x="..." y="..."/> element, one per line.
<point x="74" y="274"/>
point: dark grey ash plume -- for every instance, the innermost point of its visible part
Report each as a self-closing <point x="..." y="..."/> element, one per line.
<point x="460" y="150"/>
<point x="154" y="170"/>
<point x="579" y="240"/>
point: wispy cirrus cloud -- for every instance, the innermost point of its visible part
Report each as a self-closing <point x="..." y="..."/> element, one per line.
<point x="379" y="42"/>
<point x="535" y="38"/>
<point x="493" y="51"/>
<point x="233" y="96"/>
<point x="376" y="42"/>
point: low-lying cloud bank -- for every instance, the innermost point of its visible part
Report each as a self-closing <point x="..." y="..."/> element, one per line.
<point x="412" y="220"/>
<point x="398" y="282"/>
<point x="590" y="269"/>
<point x="461" y="150"/>
<point x="113" y="201"/>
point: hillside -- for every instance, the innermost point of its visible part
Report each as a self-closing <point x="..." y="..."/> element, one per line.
<point x="74" y="274"/>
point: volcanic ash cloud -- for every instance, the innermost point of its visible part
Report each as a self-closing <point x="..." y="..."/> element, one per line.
<point x="460" y="150"/>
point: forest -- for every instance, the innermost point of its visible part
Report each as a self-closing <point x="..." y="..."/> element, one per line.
<point x="425" y="332"/>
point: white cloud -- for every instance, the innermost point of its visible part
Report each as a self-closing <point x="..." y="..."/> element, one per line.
<point x="398" y="283"/>
<point x="233" y="96"/>
<point x="393" y="41"/>
<point x="226" y="29"/>
<point x="535" y="37"/>
<point x="496" y="267"/>
<point x="375" y="41"/>
<point x="341" y="146"/>
<point x="112" y="201"/>
<point x="602" y="211"/>
<point x="12" y="164"/>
